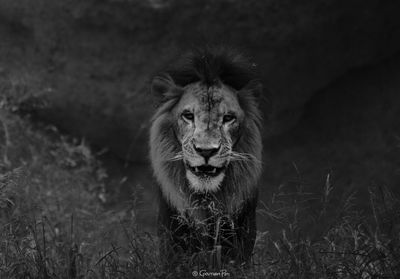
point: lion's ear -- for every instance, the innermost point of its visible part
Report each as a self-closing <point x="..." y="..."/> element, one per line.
<point x="164" y="88"/>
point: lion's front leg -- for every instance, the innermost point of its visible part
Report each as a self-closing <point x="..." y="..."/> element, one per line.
<point x="171" y="235"/>
<point x="246" y="234"/>
<point x="179" y="239"/>
<point x="241" y="241"/>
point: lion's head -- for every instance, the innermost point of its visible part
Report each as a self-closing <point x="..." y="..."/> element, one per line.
<point x="205" y="136"/>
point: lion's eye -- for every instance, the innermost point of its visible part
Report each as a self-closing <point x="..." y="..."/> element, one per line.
<point x="229" y="118"/>
<point x="188" y="116"/>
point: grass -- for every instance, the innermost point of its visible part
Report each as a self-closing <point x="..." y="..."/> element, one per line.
<point x="53" y="222"/>
<point x="322" y="237"/>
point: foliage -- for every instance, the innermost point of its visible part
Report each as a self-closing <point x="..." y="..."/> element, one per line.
<point x="53" y="222"/>
<point x="323" y="237"/>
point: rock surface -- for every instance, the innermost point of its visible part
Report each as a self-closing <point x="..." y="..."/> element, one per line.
<point x="349" y="130"/>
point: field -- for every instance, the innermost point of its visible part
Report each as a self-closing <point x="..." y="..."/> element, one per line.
<point x="77" y="196"/>
<point x="55" y="221"/>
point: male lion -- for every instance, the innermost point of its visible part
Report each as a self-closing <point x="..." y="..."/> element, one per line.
<point x="206" y="155"/>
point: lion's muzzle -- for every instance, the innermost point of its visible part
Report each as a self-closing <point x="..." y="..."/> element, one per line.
<point x="207" y="151"/>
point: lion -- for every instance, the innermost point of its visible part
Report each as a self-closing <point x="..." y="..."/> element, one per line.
<point x="206" y="151"/>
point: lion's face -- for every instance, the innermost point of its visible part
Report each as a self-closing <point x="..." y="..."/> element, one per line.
<point x="207" y="123"/>
<point x="205" y="134"/>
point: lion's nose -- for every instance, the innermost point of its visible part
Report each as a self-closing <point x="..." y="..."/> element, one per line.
<point x="206" y="152"/>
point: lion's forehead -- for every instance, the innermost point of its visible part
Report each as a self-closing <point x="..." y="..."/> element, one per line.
<point x="208" y="102"/>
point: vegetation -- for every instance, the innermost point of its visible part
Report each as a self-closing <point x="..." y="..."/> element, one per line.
<point x="323" y="237"/>
<point x="54" y="225"/>
<point x="53" y="222"/>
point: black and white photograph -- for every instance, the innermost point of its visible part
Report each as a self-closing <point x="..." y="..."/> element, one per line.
<point x="203" y="139"/>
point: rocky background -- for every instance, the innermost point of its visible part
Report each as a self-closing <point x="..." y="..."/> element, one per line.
<point x="331" y="70"/>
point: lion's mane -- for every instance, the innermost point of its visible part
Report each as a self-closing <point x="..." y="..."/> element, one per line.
<point x="209" y="66"/>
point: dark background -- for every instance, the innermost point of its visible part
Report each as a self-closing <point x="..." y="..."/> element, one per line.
<point x="331" y="69"/>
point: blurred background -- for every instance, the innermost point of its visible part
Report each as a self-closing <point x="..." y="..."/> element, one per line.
<point x="331" y="71"/>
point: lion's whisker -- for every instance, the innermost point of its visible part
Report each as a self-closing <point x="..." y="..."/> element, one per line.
<point x="236" y="156"/>
<point x="177" y="157"/>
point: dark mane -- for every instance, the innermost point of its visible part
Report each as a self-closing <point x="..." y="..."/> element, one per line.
<point x="213" y="65"/>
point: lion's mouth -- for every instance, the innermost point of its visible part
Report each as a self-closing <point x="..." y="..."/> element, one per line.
<point x="206" y="170"/>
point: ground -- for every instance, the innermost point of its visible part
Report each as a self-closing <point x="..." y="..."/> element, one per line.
<point x="57" y="221"/>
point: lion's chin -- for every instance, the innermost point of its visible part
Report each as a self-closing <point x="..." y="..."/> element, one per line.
<point x="204" y="183"/>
